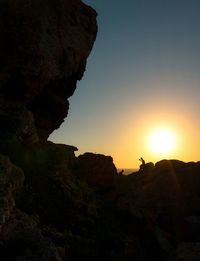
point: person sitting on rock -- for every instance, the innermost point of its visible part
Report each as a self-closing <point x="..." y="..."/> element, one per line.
<point x="121" y="172"/>
<point x="143" y="164"/>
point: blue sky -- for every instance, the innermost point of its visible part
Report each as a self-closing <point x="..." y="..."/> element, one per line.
<point x="144" y="70"/>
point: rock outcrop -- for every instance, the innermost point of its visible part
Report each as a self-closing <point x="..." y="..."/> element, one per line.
<point x="166" y="198"/>
<point x="96" y="169"/>
<point x="44" y="47"/>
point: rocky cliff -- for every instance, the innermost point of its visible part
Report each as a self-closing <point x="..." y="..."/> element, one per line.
<point x="44" y="47"/>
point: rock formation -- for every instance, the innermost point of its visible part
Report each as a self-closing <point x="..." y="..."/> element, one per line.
<point x="44" y="47"/>
<point x="96" y="169"/>
<point x="166" y="198"/>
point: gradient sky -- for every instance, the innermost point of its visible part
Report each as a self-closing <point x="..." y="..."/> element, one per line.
<point x="143" y="72"/>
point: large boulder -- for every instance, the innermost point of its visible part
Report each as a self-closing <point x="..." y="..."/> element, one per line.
<point x="96" y="169"/>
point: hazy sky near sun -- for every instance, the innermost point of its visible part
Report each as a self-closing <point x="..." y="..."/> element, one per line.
<point x="143" y="73"/>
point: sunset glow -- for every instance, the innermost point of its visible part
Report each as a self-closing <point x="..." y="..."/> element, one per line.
<point x="162" y="141"/>
<point x="139" y="96"/>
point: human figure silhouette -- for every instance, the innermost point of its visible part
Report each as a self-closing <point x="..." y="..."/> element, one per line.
<point x="142" y="160"/>
<point x="143" y="164"/>
<point x="121" y="172"/>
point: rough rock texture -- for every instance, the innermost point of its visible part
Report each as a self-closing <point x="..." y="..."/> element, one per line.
<point x="96" y="169"/>
<point x="49" y="182"/>
<point x="11" y="180"/>
<point x="187" y="251"/>
<point x="22" y="240"/>
<point x="166" y="197"/>
<point x="44" y="47"/>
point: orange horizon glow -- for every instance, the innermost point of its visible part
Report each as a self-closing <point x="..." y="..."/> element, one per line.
<point x="152" y="83"/>
<point x="125" y="135"/>
<point x="131" y="139"/>
<point x="137" y="141"/>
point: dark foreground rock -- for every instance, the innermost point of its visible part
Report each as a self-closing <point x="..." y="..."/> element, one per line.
<point x="96" y="169"/>
<point x="44" y="47"/>
<point x="166" y="197"/>
<point x="11" y="180"/>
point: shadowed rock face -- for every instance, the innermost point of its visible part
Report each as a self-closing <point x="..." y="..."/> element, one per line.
<point x="44" y="46"/>
<point x="11" y="179"/>
<point x="166" y="198"/>
<point x="96" y="169"/>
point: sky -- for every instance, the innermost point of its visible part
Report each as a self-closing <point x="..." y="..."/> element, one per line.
<point x="142" y="74"/>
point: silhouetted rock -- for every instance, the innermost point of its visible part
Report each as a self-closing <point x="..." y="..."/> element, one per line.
<point x="166" y="199"/>
<point x="147" y="167"/>
<point x="21" y="239"/>
<point x="96" y="169"/>
<point x="168" y="165"/>
<point x="44" y="47"/>
<point x="49" y="182"/>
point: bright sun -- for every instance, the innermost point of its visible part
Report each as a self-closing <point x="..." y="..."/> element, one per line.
<point x="162" y="141"/>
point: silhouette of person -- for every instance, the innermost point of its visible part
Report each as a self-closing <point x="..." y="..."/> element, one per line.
<point x="143" y="163"/>
<point x="142" y="160"/>
<point x="121" y="172"/>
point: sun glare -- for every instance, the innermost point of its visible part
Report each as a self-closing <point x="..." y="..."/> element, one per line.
<point x="162" y="141"/>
